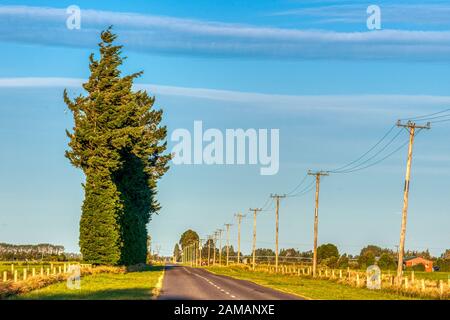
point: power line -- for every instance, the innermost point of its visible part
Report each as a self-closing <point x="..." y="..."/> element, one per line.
<point x="427" y="115"/>
<point x="437" y="117"/>
<point x="376" y="162"/>
<point x="357" y="167"/>
<point x="298" y="185"/>
<point x="368" y="151"/>
<point x="438" y="121"/>
<point x="382" y="159"/>
<point x="305" y="190"/>
<point x="360" y="166"/>
<point x="268" y="200"/>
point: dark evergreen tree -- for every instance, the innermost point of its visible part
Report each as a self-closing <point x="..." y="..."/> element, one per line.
<point x="176" y="252"/>
<point x="119" y="144"/>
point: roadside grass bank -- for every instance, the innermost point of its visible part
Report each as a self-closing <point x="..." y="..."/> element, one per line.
<point x="102" y="282"/>
<point x="21" y="285"/>
<point x="306" y="287"/>
<point x="123" y="285"/>
<point x="137" y="285"/>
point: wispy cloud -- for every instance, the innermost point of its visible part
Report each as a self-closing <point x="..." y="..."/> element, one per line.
<point x="159" y="34"/>
<point x="430" y="14"/>
<point x="388" y="104"/>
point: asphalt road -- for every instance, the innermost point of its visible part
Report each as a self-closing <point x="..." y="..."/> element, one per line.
<point x="184" y="283"/>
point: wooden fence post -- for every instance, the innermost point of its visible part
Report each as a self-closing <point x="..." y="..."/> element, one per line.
<point x="33" y="272"/>
<point x="423" y="284"/>
<point x="441" y="287"/>
<point x="406" y="283"/>
<point x="5" y="276"/>
<point x="24" y="274"/>
<point x="340" y="274"/>
<point x="412" y="277"/>
<point x="15" y="275"/>
<point x="48" y="271"/>
<point x="357" y="279"/>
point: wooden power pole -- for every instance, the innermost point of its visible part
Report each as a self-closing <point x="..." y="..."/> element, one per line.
<point x="317" y="174"/>
<point x="219" y="232"/>
<point x="200" y="247"/>
<point x="255" y="212"/>
<point x="239" y="218"/>
<point x="209" y="249"/>
<point x="277" y="197"/>
<point x="214" y="248"/>
<point x="412" y="129"/>
<point x="228" y="225"/>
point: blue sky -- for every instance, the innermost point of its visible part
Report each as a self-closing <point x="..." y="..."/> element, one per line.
<point x="309" y="68"/>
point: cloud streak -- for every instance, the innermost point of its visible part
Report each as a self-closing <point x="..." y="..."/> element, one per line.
<point x="430" y="14"/>
<point x="388" y="104"/>
<point x="169" y="35"/>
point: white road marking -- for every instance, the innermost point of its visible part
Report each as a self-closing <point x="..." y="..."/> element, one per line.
<point x="209" y="281"/>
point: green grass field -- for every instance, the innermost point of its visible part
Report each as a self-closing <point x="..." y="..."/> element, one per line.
<point x="6" y="266"/>
<point x="308" y="288"/>
<point x="429" y="275"/>
<point x="103" y="286"/>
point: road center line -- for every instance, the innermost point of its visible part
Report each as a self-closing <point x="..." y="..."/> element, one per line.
<point x="212" y="283"/>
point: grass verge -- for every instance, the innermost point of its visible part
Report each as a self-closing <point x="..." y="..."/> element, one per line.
<point x="307" y="288"/>
<point x="137" y="285"/>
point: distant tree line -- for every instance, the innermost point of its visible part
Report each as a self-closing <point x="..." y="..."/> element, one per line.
<point x="31" y="252"/>
<point x="327" y="255"/>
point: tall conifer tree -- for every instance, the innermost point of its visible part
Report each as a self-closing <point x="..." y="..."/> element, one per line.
<point x="118" y="142"/>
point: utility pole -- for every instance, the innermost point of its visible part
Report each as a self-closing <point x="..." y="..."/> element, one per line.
<point x="228" y="225"/>
<point x="220" y="245"/>
<point x="209" y="249"/>
<point x="317" y="174"/>
<point x="239" y="218"/>
<point x="255" y="212"/>
<point x="277" y="197"/>
<point x="411" y="127"/>
<point x="200" y="247"/>
<point x="214" y="247"/>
